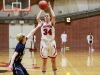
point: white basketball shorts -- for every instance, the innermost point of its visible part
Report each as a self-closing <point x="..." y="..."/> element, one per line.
<point x="48" y="49"/>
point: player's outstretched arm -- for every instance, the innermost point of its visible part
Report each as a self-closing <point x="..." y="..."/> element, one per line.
<point x="34" y="30"/>
<point x="52" y="13"/>
<point x="38" y="16"/>
<point x="10" y="67"/>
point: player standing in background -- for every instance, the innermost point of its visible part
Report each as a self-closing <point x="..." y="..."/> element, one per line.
<point x="90" y="42"/>
<point x="15" y="63"/>
<point x="48" y="44"/>
<point x="33" y="41"/>
<point x="63" y="40"/>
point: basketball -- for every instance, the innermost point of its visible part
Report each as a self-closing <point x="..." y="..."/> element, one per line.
<point x="43" y="4"/>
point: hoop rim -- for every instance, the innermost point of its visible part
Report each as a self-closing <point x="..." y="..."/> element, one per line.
<point x="16" y="9"/>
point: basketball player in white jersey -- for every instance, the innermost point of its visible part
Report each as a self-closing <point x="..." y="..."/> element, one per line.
<point x="33" y="41"/>
<point x="48" y="44"/>
<point x="90" y="42"/>
<point x="63" y="39"/>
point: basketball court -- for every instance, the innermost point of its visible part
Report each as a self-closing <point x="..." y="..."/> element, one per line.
<point x="20" y="17"/>
<point x="70" y="63"/>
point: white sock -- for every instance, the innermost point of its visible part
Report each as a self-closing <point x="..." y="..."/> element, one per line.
<point x="43" y="72"/>
<point x="55" y="72"/>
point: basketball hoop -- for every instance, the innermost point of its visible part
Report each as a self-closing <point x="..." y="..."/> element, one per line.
<point x="16" y="11"/>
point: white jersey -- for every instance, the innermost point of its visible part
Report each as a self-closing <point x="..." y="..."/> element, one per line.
<point x="47" y="32"/>
<point x="64" y="37"/>
<point x="48" y="44"/>
<point x="89" y="38"/>
<point x="33" y="38"/>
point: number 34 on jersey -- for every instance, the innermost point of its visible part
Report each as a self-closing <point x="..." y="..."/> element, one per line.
<point x="47" y="31"/>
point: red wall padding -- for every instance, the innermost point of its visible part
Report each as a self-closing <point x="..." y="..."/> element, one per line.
<point x="4" y="36"/>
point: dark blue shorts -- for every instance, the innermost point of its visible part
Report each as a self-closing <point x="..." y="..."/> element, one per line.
<point x="18" y="69"/>
<point x="90" y="41"/>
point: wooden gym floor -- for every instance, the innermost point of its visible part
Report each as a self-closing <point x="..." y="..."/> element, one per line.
<point x="70" y="63"/>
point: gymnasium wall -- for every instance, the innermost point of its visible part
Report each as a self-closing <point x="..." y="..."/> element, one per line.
<point x="4" y="36"/>
<point x="77" y="31"/>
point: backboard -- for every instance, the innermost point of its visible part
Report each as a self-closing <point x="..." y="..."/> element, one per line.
<point x="21" y="5"/>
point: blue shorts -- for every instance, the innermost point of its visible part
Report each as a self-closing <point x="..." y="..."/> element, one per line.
<point x="18" y="69"/>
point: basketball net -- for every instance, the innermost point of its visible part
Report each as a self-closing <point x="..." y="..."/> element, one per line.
<point x="16" y="11"/>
